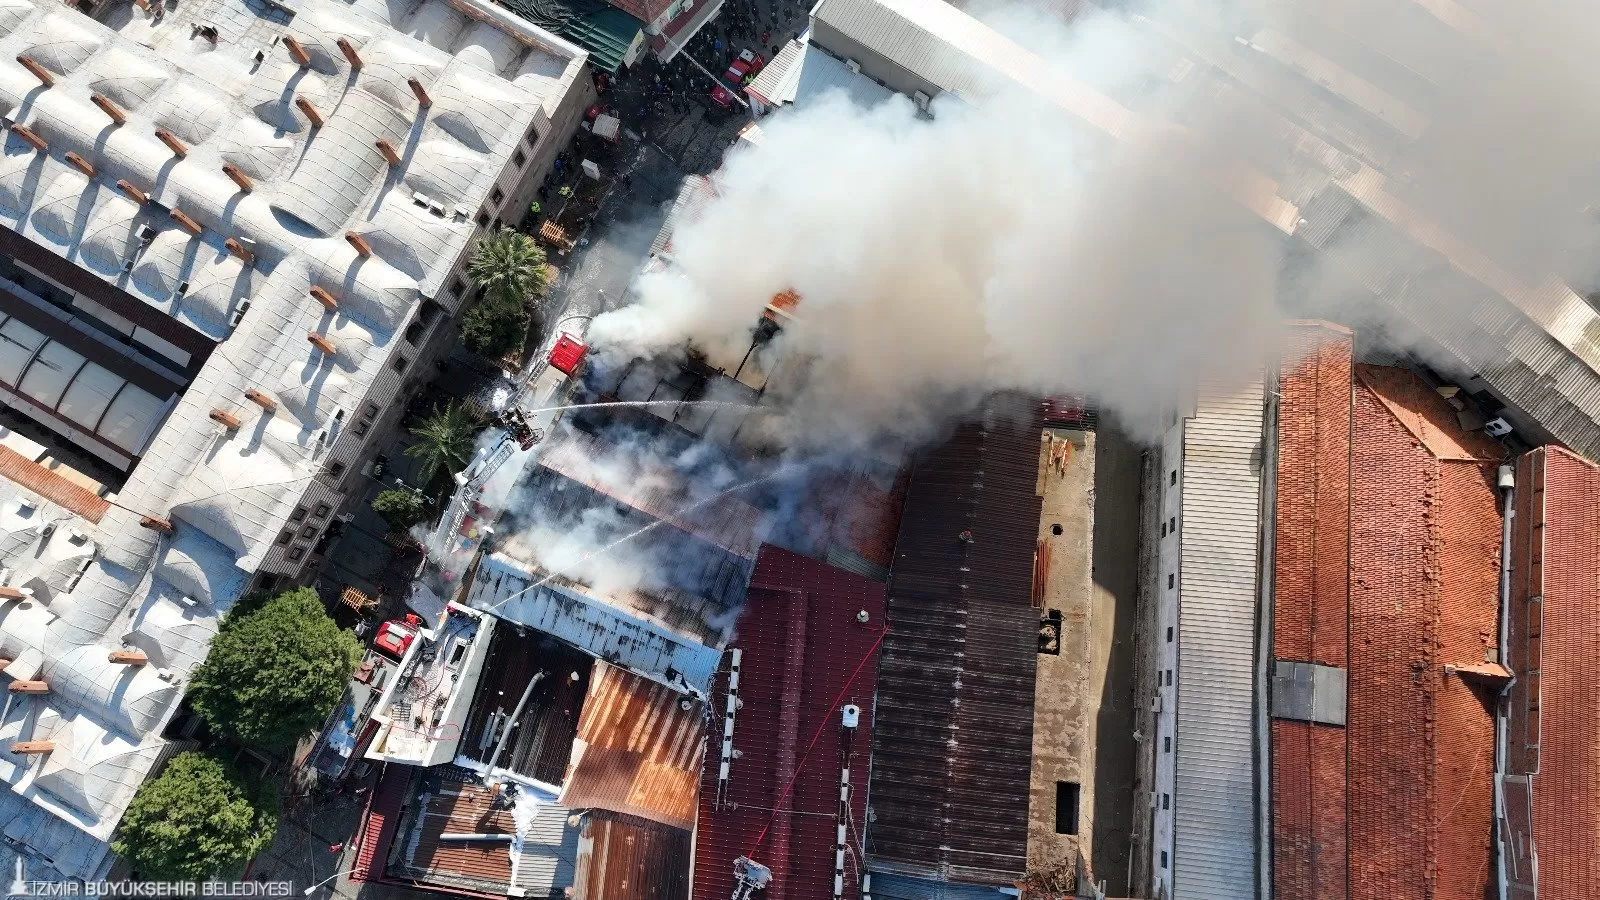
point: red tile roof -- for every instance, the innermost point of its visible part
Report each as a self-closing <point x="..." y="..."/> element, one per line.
<point x="1386" y="562"/>
<point x="638" y="750"/>
<point x="1555" y="703"/>
<point x="646" y="11"/>
<point x="804" y="656"/>
<point x="47" y="484"/>
<point x="1424" y="549"/>
<point x="1311" y="578"/>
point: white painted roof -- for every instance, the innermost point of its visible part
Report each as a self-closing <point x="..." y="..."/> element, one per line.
<point x="491" y="78"/>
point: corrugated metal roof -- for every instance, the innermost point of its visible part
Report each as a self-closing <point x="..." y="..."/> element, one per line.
<point x="506" y="588"/>
<point x="801" y="645"/>
<point x="381" y="822"/>
<point x="638" y="750"/>
<point x="543" y="861"/>
<point x="622" y="858"/>
<point x="954" y="738"/>
<point x="694" y="194"/>
<point x="1215" y="841"/>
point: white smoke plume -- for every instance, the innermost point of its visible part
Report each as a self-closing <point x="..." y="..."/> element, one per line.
<point x="1001" y="245"/>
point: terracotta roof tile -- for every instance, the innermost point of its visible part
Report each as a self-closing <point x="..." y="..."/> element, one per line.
<point x="47" y="484"/>
<point x="1555" y="702"/>
<point x="1311" y="571"/>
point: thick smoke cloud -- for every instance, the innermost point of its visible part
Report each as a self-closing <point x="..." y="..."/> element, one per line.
<point x="1002" y="245"/>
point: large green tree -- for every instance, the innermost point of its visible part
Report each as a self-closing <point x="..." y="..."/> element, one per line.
<point x="400" y="508"/>
<point x="200" y="818"/>
<point x="510" y="268"/>
<point x="274" y="672"/>
<point x="445" y="439"/>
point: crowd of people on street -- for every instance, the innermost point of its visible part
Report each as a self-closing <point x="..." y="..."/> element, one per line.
<point x="650" y="94"/>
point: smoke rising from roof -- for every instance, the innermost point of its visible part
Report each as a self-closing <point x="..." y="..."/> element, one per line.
<point x="1004" y="245"/>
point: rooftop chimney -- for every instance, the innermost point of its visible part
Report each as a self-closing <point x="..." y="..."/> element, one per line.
<point x="358" y="242"/>
<point x="39" y="72"/>
<point x="172" y="142"/>
<point x="261" y="400"/>
<point x="421" y="92"/>
<point x="154" y="524"/>
<point x="30" y="687"/>
<point x="237" y="249"/>
<point x="27" y="134"/>
<point x="322" y="343"/>
<point x="11" y="593"/>
<point x="133" y="193"/>
<point x="225" y="418"/>
<point x="22" y="748"/>
<point x="349" y="51"/>
<point x="142" y="4"/>
<point x="81" y="164"/>
<point x="310" y="111"/>
<point x="388" y="151"/>
<point x="183" y="219"/>
<point x="297" y="51"/>
<point x="238" y="176"/>
<point x="128" y="657"/>
<point x="322" y="296"/>
<point x="112" y="111"/>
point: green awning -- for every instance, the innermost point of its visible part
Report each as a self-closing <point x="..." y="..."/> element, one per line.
<point x="598" y="27"/>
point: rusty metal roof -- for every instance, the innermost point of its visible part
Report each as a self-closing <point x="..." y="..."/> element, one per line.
<point x="623" y="858"/>
<point x="638" y="749"/>
<point x="541" y="745"/>
<point x="448" y="802"/>
<point x="954" y="736"/>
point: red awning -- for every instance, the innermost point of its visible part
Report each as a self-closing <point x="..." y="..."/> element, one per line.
<point x="567" y="353"/>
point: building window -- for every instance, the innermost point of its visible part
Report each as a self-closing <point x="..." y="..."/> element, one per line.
<point x="1167" y="677"/>
<point x="1173" y="525"/>
<point x="1166" y="744"/>
<point x="458" y="289"/>
<point x="1163" y="529"/>
<point x="1174" y="476"/>
<point x="285" y="538"/>
<point x="497" y="196"/>
<point x="1163" y="859"/>
<point x="519" y="159"/>
<point x="308" y="532"/>
<point x="482" y="219"/>
<point x="322" y="510"/>
<point x="1169" y="634"/>
<point x="399" y="363"/>
<point x="371" y="411"/>
<point x="532" y="137"/>
<point x="295" y="553"/>
<point x="337" y="469"/>
<point x="298" y="515"/>
<point x="1166" y="801"/>
<point x="361" y="428"/>
<point x="1170" y="580"/>
<point x="1066" y="807"/>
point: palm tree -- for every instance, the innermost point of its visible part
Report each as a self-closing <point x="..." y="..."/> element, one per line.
<point x="445" y="439"/>
<point x="509" y="266"/>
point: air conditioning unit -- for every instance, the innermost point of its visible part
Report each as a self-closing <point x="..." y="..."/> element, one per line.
<point x="147" y="234"/>
<point x="922" y="100"/>
<point x="853" y="66"/>
<point x="1498" y="427"/>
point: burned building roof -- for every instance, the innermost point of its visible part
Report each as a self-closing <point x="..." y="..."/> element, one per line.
<point x="803" y="653"/>
<point x="1554" y="726"/>
<point x="954" y="735"/>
